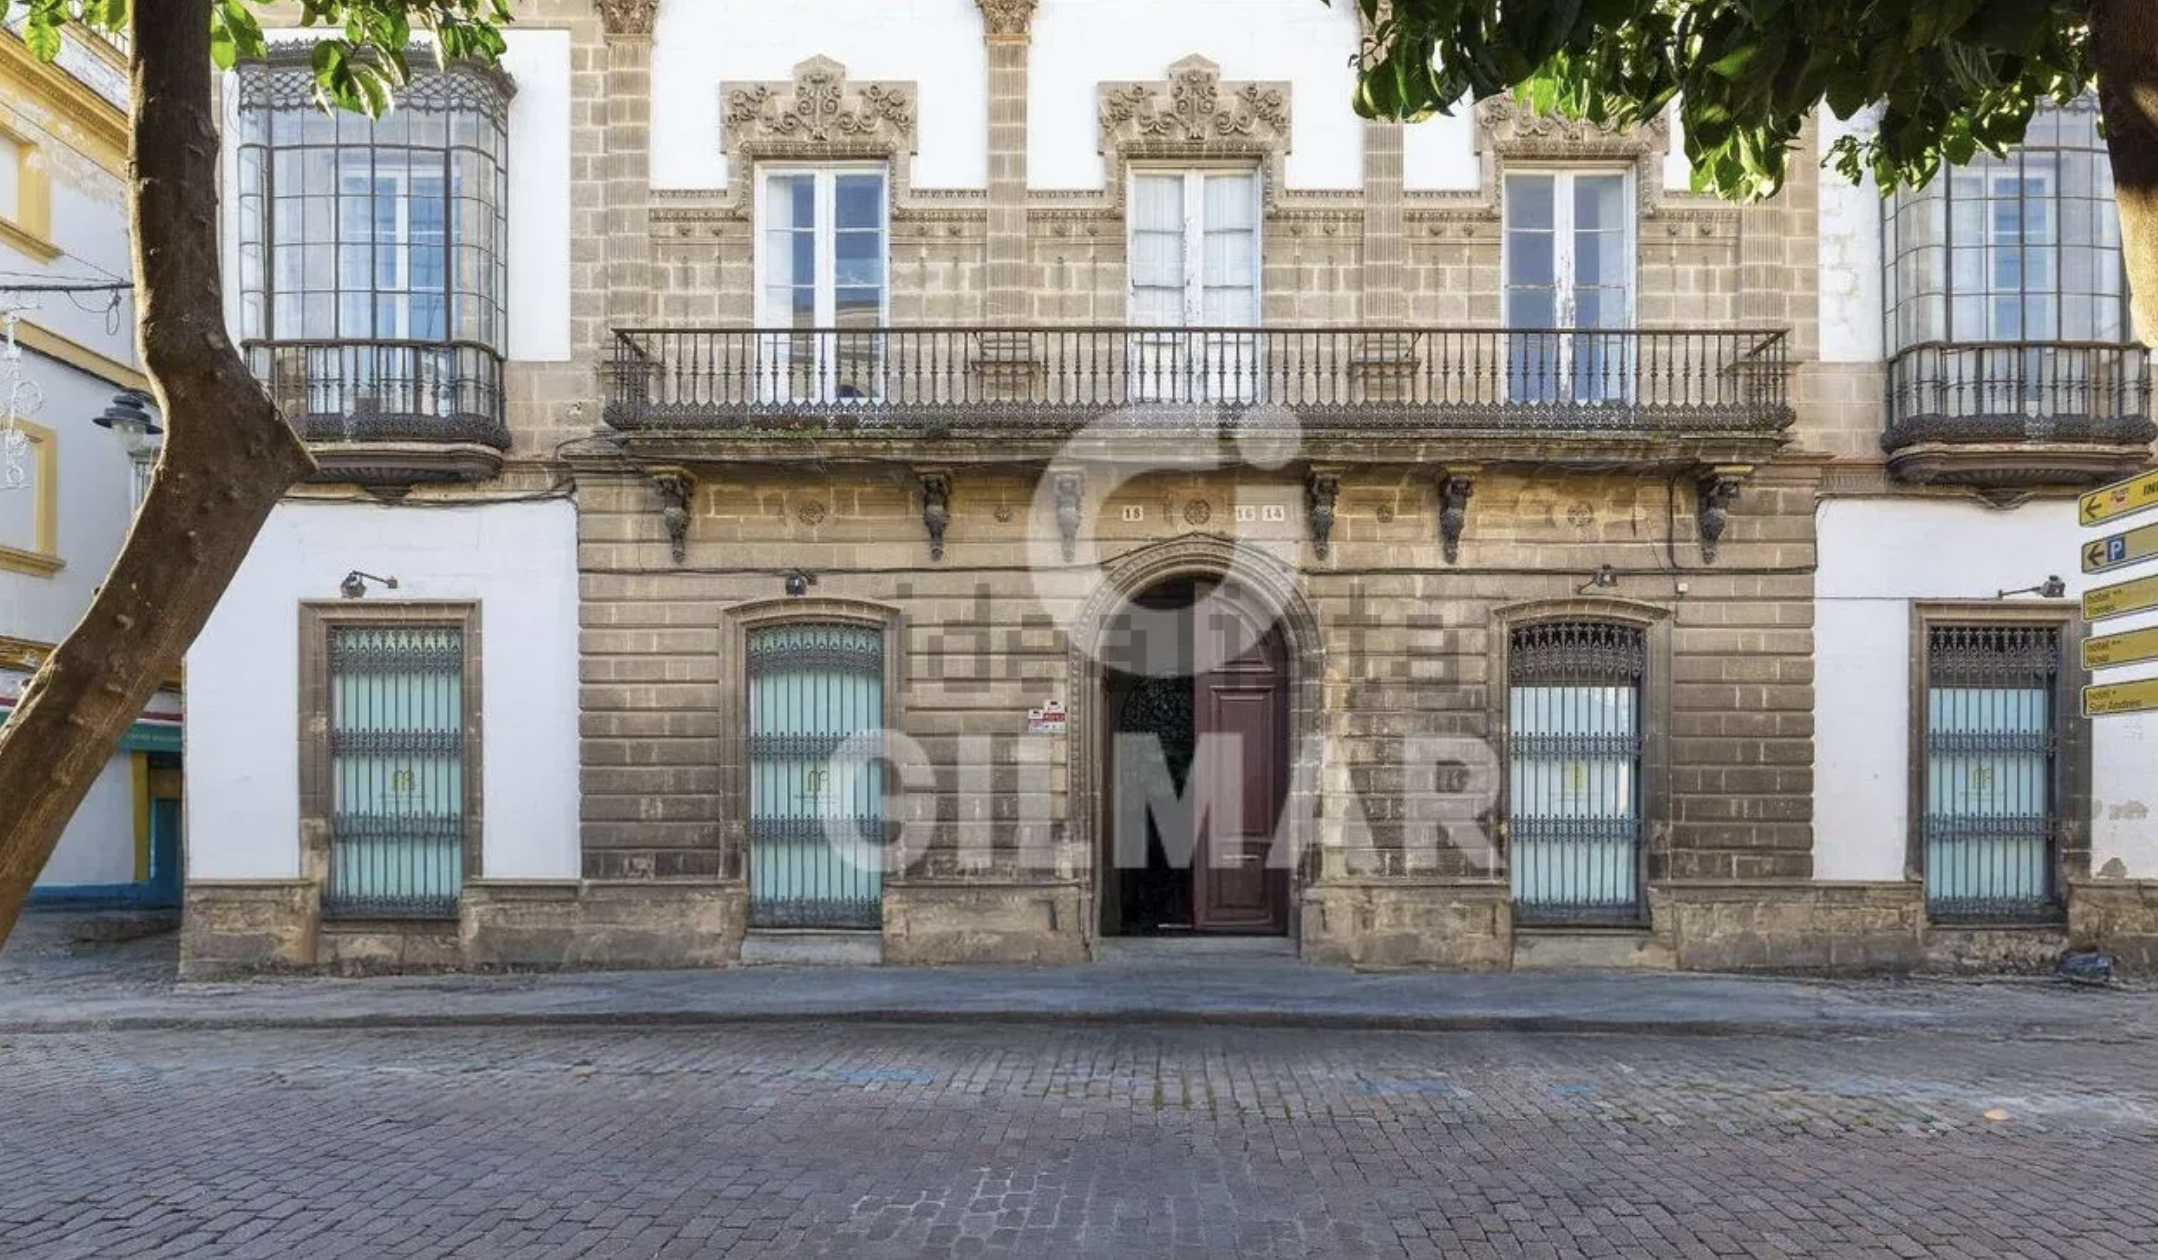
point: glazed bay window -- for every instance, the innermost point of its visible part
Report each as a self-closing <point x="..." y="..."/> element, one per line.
<point x="1991" y="762"/>
<point x="373" y="277"/>
<point x="2006" y="303"/>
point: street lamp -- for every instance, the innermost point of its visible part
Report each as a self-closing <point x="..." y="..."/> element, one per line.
<point x="129" y="416"/>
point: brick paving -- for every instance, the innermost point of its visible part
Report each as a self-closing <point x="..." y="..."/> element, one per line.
<point x="1070" y="1141"/>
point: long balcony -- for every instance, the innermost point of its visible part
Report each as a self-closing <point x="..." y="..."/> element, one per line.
<point x="2014" y="414"/>
<point x="1490" y="394"/>
<point x="385" y="412"/>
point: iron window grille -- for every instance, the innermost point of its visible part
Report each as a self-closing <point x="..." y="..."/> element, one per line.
<point x="373" y="274"/>
<point x="1574" y="770"/>
<point x="1991" y="779"/>
<point x="2006" y="307"/>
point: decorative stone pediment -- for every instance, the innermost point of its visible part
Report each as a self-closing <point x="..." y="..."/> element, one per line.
<point x="821" y="114"/>
<point x="1194" y="113"/>
<point x="1507" y="127"/>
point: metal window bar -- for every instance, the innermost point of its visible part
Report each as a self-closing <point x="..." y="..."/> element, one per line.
<point x="397" y="771"/>
<point x="816" y="708"/>
<point x="1573" y="731"/>
<point x="1991" y="761"/>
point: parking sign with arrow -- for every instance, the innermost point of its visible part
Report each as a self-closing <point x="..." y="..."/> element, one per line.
<point x="2116" y="550"/>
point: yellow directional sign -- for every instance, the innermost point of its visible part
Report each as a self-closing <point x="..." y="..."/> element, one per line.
<point x="2121" y="649"/>
<point x="2140" y="543"/>
<point x="2128" y="697"/>
<point x="2121" y="598"/>
<point x="2122" y="498"/>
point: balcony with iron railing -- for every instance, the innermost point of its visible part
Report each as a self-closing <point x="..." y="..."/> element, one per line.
<point x="389" y="412"/>
<point x="2014" y="414"/>
<point x="1489" y="393"/>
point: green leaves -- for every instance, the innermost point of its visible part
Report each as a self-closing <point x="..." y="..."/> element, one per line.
<point x="1951" y="78"/>
<point x="358" y="61"/>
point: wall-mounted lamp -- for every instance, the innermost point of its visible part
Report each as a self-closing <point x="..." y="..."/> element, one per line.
<point x="129" y="416"/>
<point x="798" y="583"/>
<point x="355" y="584"/>
<point x="2051" y="588"/>
<point x="1604" y="578"/>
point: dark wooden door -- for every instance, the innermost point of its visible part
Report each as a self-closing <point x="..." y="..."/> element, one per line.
<point x="1238" y="798"/>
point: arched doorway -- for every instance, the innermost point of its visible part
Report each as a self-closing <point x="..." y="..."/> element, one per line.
<point x="1195" y="704"/>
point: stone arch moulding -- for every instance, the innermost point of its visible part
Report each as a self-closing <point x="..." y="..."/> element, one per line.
<point x="1193" y="116"/>
<point x="819" y="116"/>
<point x="1270" y="588"/>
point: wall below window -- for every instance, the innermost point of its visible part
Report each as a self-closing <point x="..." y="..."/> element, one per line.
<point x="516" y="561"/>
<point x="1878" y="557"/>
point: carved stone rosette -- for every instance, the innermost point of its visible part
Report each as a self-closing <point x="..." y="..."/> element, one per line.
<point x="1193" y="109"/>
<point x="1718" y="491"/>
<point x="1455" y="489"/>
<point x="1322" y="490"/>
<point x="936" y="509"/>
<point x="820" y="110"/>
<point x="1069" y="489"/>
<point x="675" y="486"/>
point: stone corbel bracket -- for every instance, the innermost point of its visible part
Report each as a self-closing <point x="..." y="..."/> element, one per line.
<point x="1718" y="490"/>
<point x="1069" y="492"/>
<point x="936" y="508"/>
<point x="1321" y="490"/>
<point x="676" y="486"/>
<point x="1456" y="487"/>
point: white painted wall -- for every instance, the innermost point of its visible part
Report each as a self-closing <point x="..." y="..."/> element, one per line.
<point x="1850" y="252"/>
<point x="1677" y="167"/>
<point x="1078" y="44"/>
<point x="96" y="504"/>
<point x="1439" y="153"/>
<point x="700" y="48"/>
<point x="1878" y="557"/>
<point x="98" y="846"/>
<point x="517" y="561"/>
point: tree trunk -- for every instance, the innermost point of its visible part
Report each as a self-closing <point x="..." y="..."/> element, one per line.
<point x="228" y="458"/>
<point x="2124" y="47"/>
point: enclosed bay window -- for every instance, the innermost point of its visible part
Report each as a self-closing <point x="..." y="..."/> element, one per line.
<point x="2006" y="300"/>
<point x="373" y="270"/>
<point x="822" y="291"/>
<point x="1194" y="265"/>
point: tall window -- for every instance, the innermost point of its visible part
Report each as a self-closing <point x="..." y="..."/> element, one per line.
<point x="1992" y="740"/>
<point x="1573" y="726"/>
<point x="822" y="238"/>
<point x="1194" y="263"/>
<point x="816" y="789"/>
<point x="373" y="269"/>
<point x="396" y="770"/>
<point x="1569" y="267"/>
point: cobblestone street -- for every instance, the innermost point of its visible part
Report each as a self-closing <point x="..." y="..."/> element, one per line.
<point x="1041" y="1141"/>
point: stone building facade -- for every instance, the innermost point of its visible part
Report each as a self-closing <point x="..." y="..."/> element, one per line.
<point x="884" y="450"/>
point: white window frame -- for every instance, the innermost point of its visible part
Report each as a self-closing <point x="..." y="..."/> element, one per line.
<point x="1194" y="225"/>
<point x="774" y="350"/>
<point x="1218" y="366"/>
<point x="1563" y="236"/>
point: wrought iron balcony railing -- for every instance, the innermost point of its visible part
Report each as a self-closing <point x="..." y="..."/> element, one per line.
<point x="2019" y="391"/>
<point x="1369" y="381"/>
<point x="384" y="390"/>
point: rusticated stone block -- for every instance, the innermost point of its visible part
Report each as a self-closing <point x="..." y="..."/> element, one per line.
<point x="1842" y="929"/>
<point x="2119" y="916"/>
<point x="1457" y="926"/>
<point x="658" y="924"/>
<point x="517" y="924"/>
<point x="387" y="948"/>
<point x="1992" y="950"/>
<point x="243" y="926"/>
<point x="939" y="922"/>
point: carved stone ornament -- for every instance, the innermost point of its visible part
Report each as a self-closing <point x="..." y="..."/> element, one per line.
<point x="675" y="485"/>
<point x="1322" y="490"/>
<point x="1455" y="490"/>
<point x="1719" y="490"/>
<point x="820" y="108"/>
<point x="936" y="509"/>
<point x="1194" y="109"/>
<point x="1070" y="491"/>
<point x="1007" y="17"/>
<point x="627" y="17"/>
<point x="1509" y="128"/>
